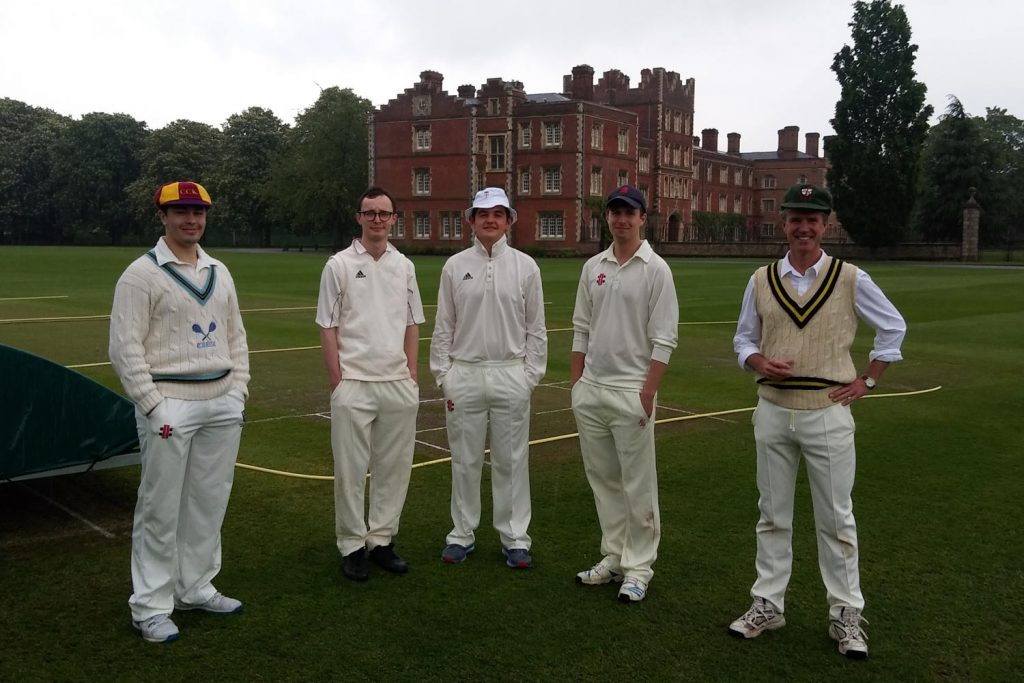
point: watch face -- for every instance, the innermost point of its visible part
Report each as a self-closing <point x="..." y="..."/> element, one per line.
<point x="869" y="382"/>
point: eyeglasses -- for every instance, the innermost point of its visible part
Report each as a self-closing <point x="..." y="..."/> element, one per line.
<point x="376" y="215"/>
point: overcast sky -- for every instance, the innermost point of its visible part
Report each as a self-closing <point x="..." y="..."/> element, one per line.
<point x="758" y="66"/>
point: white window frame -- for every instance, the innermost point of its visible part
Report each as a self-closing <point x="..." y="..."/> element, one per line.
<point x="623" y="141"/>
<point x="622" y="178"/>
<point x="398" y="228"/>
<point x="551" y="225"/>
<point x="422" y="222"/>
<point x="645" y="162"/>
<point x="552" y="133"/>
<point x="496" y="155"/>
<point x="553" y="180"/>
<point x="767" y="206"/>
<point x="768" y="182"/>
<point x="421" y="138"/>
<point x="421" y="182"/>
<point x="524" y="181"/>
<point x="525" y="135"/>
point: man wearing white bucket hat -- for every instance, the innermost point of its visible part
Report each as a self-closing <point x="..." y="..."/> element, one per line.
<point x="488" y="352"/>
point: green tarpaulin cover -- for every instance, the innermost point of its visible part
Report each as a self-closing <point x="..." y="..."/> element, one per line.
<point x="52" y="417"/>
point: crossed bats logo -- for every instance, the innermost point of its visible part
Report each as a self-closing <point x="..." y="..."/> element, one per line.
<point x="600" y="279"/>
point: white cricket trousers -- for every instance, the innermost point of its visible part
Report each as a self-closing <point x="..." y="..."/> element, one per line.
<point x="373" y="429"/>
<point x="188" y="450"/>
<point x="825" y="438"/>
<point x="617" y="443"/>
<point x="495" y="393"/>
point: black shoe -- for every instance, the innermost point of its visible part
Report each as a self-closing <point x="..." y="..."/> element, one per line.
<point x="354" y="565"/>
<point x="385" y="557"/>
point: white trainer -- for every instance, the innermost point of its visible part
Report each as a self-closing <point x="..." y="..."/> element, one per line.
<point x="218" y="604"/>
<point x="853" y="642"/>
<point x="762" y="616"/>
<point x="600" y="573"/>
<point x="157" y="629"/>
<point x="633" y="590"/>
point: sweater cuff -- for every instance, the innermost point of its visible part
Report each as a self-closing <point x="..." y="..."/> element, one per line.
<point x="150" y="401"/>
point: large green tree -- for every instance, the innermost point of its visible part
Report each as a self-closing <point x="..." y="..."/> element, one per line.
<point x="27" y="136"/>
<point x="955" y="158"/>
<point x="1003" y="217"/>
<point x="252" y="141"/>
<point x="881" y="122"/>
<point x="94" y="161"/>
<point x="181" y="150"/>
<point x="324" y="167"/>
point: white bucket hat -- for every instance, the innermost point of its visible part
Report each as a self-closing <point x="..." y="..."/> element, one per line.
<point x="488" y="198"/>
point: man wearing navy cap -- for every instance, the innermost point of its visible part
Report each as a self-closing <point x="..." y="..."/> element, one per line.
<point x="797" y="322"/>
<point x="178" y="345"/>
<point x="625" y="327"/>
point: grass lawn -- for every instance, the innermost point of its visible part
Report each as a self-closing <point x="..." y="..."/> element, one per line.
<point x="940" y="483"/>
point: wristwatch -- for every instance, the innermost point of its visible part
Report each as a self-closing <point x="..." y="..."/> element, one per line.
<point x="869" y="382"/>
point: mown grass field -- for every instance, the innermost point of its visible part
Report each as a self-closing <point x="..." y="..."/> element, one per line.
<point x="938" y="500"/>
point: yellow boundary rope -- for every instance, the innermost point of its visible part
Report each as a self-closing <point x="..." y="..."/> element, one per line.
<point x="563" y="437"/>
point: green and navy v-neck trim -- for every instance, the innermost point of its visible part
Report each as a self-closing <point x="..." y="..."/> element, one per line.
<point x="203" y="295"/>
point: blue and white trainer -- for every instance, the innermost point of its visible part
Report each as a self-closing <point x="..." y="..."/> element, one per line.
<point x="632" y="590"/>
<point x="601" y="573"/>
<point x="157" y="629"/>
<point x="218" y="604"/>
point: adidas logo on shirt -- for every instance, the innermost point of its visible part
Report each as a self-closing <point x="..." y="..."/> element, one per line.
<point x="467" y="276"/>
<point x="359" y="274"/>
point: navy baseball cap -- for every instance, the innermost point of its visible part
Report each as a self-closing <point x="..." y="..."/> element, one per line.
<point x="628" y="195"/>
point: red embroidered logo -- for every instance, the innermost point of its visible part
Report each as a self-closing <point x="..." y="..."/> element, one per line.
<point x="643" y="422"/>
<point x="451" y="406"/>
<point x="165" y="431"/>
<point x="600" y="279"/>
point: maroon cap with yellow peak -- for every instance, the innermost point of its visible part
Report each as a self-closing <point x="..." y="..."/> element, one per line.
<point x="184" y="193"/>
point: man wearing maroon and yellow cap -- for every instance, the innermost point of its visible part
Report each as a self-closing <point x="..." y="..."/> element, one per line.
<point x="178" y="345"/>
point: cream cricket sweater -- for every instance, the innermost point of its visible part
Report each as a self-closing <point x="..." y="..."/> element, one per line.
<point x="176" y="331"/>
<point x="815" y="330"/>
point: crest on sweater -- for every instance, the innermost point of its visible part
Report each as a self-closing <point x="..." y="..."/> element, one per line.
<point x="205" y="342"/>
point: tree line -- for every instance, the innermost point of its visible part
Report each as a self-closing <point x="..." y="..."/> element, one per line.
<point x="91" y="180"/>
<point x="892" y="176"/>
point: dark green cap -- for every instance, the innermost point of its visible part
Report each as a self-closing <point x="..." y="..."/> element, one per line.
<point x="807" y="197"/>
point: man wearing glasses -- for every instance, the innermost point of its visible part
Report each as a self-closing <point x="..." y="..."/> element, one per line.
<point x="369" y="312"/>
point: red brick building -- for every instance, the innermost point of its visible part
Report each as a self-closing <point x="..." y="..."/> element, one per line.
<point x="557" y="155"/>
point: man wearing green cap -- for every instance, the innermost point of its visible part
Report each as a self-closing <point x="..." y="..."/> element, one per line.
<point x="797" y="322"/>
<point x="178" y="345"/>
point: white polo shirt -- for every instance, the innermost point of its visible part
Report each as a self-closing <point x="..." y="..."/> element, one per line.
<point x="625" y="317"/>
<point x="490" y="308"/>
<point x="370" y="303"/>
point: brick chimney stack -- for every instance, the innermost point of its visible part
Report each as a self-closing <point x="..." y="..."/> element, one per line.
<point x="467" y="91"/>
<point x="431" y="79"/>
<point x="734" y="143"/>
<point x="789" y="139"/>
<point x="812" y="144"/>
<point x="583" y="82"/>
<point x="709" y="139"/>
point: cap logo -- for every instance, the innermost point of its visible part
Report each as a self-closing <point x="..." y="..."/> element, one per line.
<point x="807" y="191"/>
<point x="624" y="189"/>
